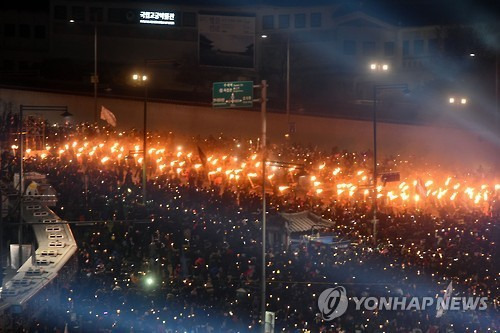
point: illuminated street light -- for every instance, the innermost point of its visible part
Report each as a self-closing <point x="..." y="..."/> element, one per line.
<point x="376" y="67"/>
<point x="138" y="77"/>
<point x="263" y="36"/>
<point x="460" y="100"/>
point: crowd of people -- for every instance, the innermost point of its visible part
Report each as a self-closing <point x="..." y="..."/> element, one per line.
<point x="188" y="260"/>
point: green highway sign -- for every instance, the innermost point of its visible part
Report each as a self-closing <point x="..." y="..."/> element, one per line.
<point x="234" y="94"/>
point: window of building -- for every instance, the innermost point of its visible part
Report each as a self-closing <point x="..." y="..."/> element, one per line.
<point x="189" y="19"/>
<point x="284" y="21"/>
<point x="389" y="49"/>
<point x="315" y="20"/>
<point x="60" y="13"/>
<point x="418" y="47"/>
<point x="96" y="14"/>
<point x="268" y="22"/>
<point x="10" y="30"/>
<point x="434" y="46"/>
<point x="300" y="21"/>
<point x="78" y="13"/>
<point x="369" y="48"/>
<point x="406" y="48"/>
<point x="40" y="32"/>
<point x="24" y="31"/>
<point x="349" y="47"/>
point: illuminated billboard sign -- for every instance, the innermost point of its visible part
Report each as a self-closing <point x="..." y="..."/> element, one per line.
<point x="148" y="17"/>
<point x="226" y="40"/>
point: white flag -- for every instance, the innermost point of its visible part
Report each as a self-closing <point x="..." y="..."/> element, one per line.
<point x="441" y="306"/>
<point x="108" y="116"/>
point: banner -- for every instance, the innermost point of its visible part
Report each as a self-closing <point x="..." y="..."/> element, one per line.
<point x="226" y="41"/>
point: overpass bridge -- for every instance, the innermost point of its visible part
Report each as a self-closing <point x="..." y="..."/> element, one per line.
<point x="56" y="245"/>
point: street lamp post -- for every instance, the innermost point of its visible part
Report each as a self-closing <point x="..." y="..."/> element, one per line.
<point x="145" y="139"/>
<point x="263" y="108"/>
<point x="288" y="82"/>
<point x="497" y="111"/>
<point x="95" y="77"/>
<point x="287" y="79"/>
<point x="376" y="88"/>
<point x="143" y="79"/>
<point x="375" y="164"/>
<point x="496" y="92"/>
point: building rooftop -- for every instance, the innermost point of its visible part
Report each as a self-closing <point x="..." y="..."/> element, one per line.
<point x="395" y="12"/>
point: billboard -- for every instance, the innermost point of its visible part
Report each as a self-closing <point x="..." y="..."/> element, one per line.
<point x="149" y="17"/>
<point x="226" y="41"/>
<point x="134" y="16"/>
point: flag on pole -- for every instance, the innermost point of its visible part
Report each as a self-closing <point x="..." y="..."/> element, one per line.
<point x="108" y="116"/>
<point x="421" y="188"/>
<point x="203" y="157"/>
<point x="442" y="306"/>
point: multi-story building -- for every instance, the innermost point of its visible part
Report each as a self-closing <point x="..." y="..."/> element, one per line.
<point x="334" y="55"/>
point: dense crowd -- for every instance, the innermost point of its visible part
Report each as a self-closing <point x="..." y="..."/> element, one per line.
<point x="189" y="260"/>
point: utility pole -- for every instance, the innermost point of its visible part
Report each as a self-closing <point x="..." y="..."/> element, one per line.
<point x="1" y="224"/>
<point x="145" y="138"/>
<point x="21" y="184"/>
<point x="263" y="109"/>
<point x="144" y="79"/>
<point x="240" y="94"/>
<point x="375" y="165"/>
<point x="288" y="82"/>
<point x="96" y="77"/>
<point x="497" y="111"/>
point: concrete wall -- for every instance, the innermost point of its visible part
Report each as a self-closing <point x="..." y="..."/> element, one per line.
<point x="447" y="146"/>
